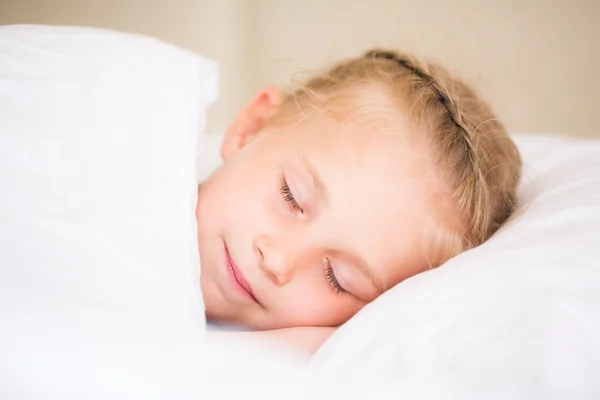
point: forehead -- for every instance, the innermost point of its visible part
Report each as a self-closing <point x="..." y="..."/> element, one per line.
<point x="378" y="190"/>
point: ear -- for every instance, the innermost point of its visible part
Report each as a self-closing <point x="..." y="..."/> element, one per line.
<point x="248" y="123"/>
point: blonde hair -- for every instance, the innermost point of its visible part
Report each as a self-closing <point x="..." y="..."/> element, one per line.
<point x="473" y="155"/>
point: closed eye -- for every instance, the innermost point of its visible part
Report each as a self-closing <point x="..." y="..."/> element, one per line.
<point x="331" y="279"/>
<point x="288" y="196"/>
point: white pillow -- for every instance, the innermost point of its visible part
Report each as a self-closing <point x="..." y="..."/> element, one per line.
<point x="518" y="317"/>
<point x="99" y="270"/>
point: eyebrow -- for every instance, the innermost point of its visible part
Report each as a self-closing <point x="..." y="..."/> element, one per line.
<point x="366" y="270"/>
<point x="316" y="180"/>
<point x="322" y="193"/>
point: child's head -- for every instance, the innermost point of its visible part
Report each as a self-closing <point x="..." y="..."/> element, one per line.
<point x="377" y="170"/>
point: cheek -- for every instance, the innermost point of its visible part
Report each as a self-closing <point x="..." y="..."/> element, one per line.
<point x="309" y="305"/>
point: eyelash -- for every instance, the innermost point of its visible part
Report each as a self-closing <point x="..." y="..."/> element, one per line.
<point x="285" y="191"/>
<point x="330" y="275"/>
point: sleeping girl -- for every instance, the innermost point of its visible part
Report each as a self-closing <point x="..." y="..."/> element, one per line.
<point x="378" y="169"/>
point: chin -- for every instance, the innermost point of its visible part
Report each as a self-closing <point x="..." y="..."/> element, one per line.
<point x="218" y="319"/>
<point x="224" y="318"/>
<point x="238" y="323"/>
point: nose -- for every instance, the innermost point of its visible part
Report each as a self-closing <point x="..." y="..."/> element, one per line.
<point x="274" y="259"/>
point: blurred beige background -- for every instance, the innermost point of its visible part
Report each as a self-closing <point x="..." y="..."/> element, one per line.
<point x="535" y="61"/>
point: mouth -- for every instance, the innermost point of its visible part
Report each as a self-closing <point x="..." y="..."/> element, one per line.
<point x="240" y="284"/>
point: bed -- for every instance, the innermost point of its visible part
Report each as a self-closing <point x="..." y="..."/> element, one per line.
<point x="102" y="143"/>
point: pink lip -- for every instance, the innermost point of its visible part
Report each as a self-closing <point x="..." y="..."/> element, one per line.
<point x="237" y="278"/>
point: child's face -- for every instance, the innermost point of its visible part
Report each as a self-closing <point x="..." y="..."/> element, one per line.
<point x="314" y="220"/>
